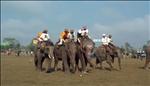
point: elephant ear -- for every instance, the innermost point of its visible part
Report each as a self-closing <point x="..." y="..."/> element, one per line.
<point x="43" y="45"/>
<point x="47" y="50"/>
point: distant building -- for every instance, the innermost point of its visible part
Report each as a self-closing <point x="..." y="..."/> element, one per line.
<point x="97" y="42"/>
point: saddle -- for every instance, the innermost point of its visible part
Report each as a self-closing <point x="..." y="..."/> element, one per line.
<point x="58" y="46"/>
<point x="107" y="49"/>
<point x="113" y="49"/>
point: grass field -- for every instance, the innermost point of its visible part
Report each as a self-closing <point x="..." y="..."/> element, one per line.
<point x="20" y="71"/>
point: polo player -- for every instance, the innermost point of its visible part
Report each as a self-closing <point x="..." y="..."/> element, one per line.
<point x="83" y="32"/>
<point x="110" y="44"/>
<point x="63" y="36"/>
<point x="105" y="42"/>
<point x="71" y="35"/>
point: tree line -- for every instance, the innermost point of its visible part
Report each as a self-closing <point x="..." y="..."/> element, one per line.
<point x="14" y="44"/>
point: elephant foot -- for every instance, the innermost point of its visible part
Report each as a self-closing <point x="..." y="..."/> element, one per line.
<point x="85" y="72"/>
<point x="40" y="70"/>
<point x="55" y="69"/>
<point x="73" y="70"/>
<point x="76" y="70"/>
<point x="120" y="68"/>
<point x="114" y="69"/>
<point x="101" y="68"/>
<point x="94" y="67"/>
<point x="67" y="72"/>
<point x="107" y="68"/>
<point x="146" y="68"/>
<point x="48" y="70"/>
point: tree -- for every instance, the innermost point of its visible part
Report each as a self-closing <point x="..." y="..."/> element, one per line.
<point x="11" y="43"/>
<point x="145" y="45"/>
<point x="122" y="49"/>
<point x="148" y="42"/>
<point x="129" y="48"/>
<point x="18" y="46"/>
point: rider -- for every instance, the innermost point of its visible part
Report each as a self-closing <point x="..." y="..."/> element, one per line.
<point x="105" y="42"/>
<point x="104" y="39"/>
<point x="63" y="36"/>
<point x="111" y="45"/>
<point x="38" y="37"/>
<point x="83" y="32"/>
<point x="109" y="39"/>
<point x="44" y="37"/>
<point x="79" y="34"/>
<point x="71" y="34"/>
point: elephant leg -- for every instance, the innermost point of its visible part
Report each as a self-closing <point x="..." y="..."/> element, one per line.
<point x="48" y="61"/>
<point x="56" y="64"/>
<point x="83" y="62"/>
<point x="63" y="67"/>
<point x="68" y="62"/>
<point x="77" y="63"/>
<point x="119" y="62"/>
<point x="40" y="63"/>
<point x="88" y="58"/>
<point x="112" y="58"/>
<point x="109" y="61"/>
<point x="146" y="63"/>
<point x="101" y="65"/>
<point x="65" y="63"/>
<point x="72" y="62"/>
<point x="36" y="61"/>
<point x="98" y="60"/>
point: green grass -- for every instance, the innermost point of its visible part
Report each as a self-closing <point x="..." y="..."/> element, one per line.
<point x="20" y="71"/>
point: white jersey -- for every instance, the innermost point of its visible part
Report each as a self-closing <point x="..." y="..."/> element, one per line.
<point x="71" y="36"/>
<point x="39" y="39"/>
<point x="85" y="30"/>
<point x="104" y="41"/>
<point x="109" y="40"/>
<point x="44" y="37"/>
<point x="80" y="31"/>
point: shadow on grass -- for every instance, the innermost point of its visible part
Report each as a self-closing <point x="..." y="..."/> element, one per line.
<point x="51" y="70"/>
<point x="107" y="68"/>
<point x="144" y="68"/>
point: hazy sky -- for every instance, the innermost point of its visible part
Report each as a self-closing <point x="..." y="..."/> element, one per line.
<point x="127" y="21"/>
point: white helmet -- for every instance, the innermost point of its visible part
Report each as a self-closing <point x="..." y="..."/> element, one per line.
<point x="103" y="34"/>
